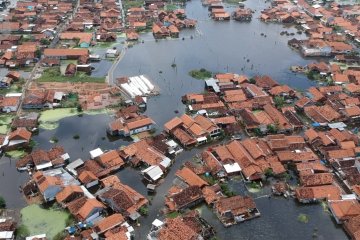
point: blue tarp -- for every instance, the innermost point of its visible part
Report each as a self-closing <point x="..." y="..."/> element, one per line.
<point x="315" y="124"/>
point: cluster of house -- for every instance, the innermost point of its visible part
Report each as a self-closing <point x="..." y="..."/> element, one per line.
<point x="231" y="99"/>
<point x="102" y="206"/>
<point x="331" y="28"/>
<point x="189" y="226"/>
<point x="242" y="14"/>
<point x="348" y="77"/>
<point x="169" y="23"/>
<point x="217" y="10"/>
<point x="28" y="28"/>
<point x="190" y="189"/>
<point x="102" y="18"/>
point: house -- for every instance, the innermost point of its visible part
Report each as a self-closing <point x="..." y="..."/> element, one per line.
<point x="352" y="227"/>
<point x="41" y="159"/>
<point x="85" y="209"/>
<point x="7" y="229"/>
<point x="343" y="210"/>
<point x="189" y="226"/>
<point x="70" y="53"/>
<point x="19" y="137"/>
<point x="112" y="53"/>
<point x="51" y="182"/>
<point x="110" y="160"/>
<point x="192" y="130"/>
<point x="69" y="194"/>
<point x="190" y="178"/>
<point x="233" y="210"/>
<point x="10" y="103"/>
<point x="317" y="193"/>
<point x="84" y="38"/>
<point x="126" y="128"/>
<point x="187" y="198"/>
<point x="88" y="179"/>
<point x="152" y="173"/>
<point x="38" y="99"/>
<point x="122" y="199"/>
<point x="108" y="223"/>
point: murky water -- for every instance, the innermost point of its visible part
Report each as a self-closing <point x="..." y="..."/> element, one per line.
<point x="221" y="47"/>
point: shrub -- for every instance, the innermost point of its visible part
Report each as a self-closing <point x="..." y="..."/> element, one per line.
<point x="2" y="202"/>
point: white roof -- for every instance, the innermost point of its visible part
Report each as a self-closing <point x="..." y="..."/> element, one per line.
<point x="73" y="165"/>
<point x="171" y="143"/>
<point x="44" y="165"/>
<point x="232" y="168"/>
<point x="157" y="223"/>
<point x="58" y="95"/>
<point x="95" y="153"/>
<point x="86" y="192"/>
<point x="338" y="125"/>
<point x="13" y="95"/>
<point x="154" y="172"/>
<point x="200" y="139"/>
<point x="348" y="197"/>
<point x="6" y="234"/>
<point x="36" y="236"/>
<point x="111" y="51"/>
<point x="65" y="156"/>
<point x="165" y="162"/>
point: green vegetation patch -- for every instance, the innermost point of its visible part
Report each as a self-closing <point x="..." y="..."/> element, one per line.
<point x="2" y="202"/>
<point x="16" y="153"/>
<point x="254" y="187"/>
<point x="39" y="220"/>
<point x="5" y="122"/>
<point x="226" y="190"/>
<point x="303" y="218"/>
<point x="49" y="118"/>
<point x="53" y="74"/>
<point x="200" y="74"/>
<point x="131" y="4"/>
<point x="173" y="215"/>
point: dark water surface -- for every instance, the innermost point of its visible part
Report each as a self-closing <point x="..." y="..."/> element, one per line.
<point x="218" y="47"/>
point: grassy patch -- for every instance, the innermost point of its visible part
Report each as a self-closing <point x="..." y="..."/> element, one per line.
<point x="5" y="122"/>
<point x="226" y="190"/>
<point x="303" y="218"/>
<point x="71" y="101"/>
<point x="4" y="129"/>
<point x="200" y="74"/>
<point x="130" y="4"/>
<point x="209" y="179"/>
<point x="39" y="220"/>
<point x="15" y="154"/>
<point x="53" y="74"/>
<point x="253" y="187"/>
<point x="173" y="215"/>
<point x="170" y="7"/>
<point x="233" y="1"/>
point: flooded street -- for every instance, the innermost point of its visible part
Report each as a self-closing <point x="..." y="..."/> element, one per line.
<point x="215" y="51"/>
<point x="245" y="52"/>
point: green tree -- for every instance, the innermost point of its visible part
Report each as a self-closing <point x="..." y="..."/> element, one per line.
<point x="45" y="41"/>
<point x="2" y="202"/>
<point x="22" y="231"/>
<point x="279" y="101"/>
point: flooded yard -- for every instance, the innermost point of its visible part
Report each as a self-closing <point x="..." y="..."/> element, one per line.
<point x="49" y="221"/>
